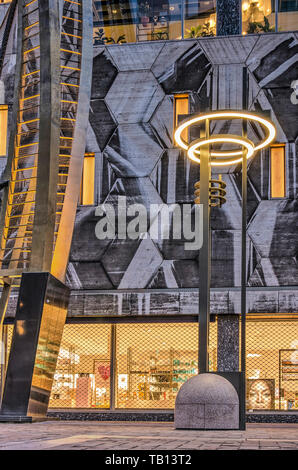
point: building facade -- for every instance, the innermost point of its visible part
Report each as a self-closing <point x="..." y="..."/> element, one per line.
<point x="131" y="337"/>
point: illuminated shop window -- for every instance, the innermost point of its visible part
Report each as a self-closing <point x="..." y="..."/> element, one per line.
<point x="119" y="22"/>
<point x="154" y="360"/>
<point x="3" y="129"/>
<point x="82" y="377"/>
<point x="87" y="185"/>
<point x="181" y="107"/>
<point x="272" y="364"/>
<point x="277" y="171"/>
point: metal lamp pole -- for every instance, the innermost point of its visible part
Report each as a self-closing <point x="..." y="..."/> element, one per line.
<point x="204" y="257"/>
<point x="243" y="258"/>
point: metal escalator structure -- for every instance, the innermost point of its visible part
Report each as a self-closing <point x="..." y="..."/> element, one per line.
<point x="53" y="77"/>
<point x="44" y="166"/>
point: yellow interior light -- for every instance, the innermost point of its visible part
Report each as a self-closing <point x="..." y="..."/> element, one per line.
<point x="3" y="128"/>
<point x="87" y="188"/>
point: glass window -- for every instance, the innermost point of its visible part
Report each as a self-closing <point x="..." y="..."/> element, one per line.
<point x="200" y="18"/>
<point x="277" y="171"/>
<point x="87" y="185"/>
<point x="272" y="364"/>
<point x="82" y="377"/>
<point x="149" y="20"/>
<point x="258" y="16"/>
<point x="154" y="360"/>
<point x="3" y="129"/>
<point x="287" y="15"/>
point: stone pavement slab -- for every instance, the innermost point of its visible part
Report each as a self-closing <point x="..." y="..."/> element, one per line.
<point x="53" y="435"/>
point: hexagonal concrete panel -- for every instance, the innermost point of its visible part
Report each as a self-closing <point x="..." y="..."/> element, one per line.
<point x="90" y="275"/>
<point x="134" y="97"/>
<point x="85" y="245"/>
<point x="133" y="150"/>
<point x="267" y="44"/>
<point x="188" y="72"/>
<point x="104" y="73"/>
<point x="145" y="262"/>
<point x="118" y="257"/>
<point x="274" y="74"/>
<point x="267" y="228"/>
<point x="176" y="274"/>
<point x="101" y="122"/>
<point x="136" y="191"/>
<point x="275" y="272"/>
<point x="228" y="50"/>
<point x="135" y="56"/>
<point x="162" y="121"/>
<point x="169" y="54"/>
<point x="174" y="177"/>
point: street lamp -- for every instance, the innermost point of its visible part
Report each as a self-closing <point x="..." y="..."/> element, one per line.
<point x="209" y="193"/>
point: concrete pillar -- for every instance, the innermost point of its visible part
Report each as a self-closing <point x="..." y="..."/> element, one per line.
<point x="228" y="343"/>
<point x="38" y="327"/>
<point x="228" y="17"/>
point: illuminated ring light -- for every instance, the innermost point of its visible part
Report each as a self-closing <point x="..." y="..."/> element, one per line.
<point x="267" y="125"/>
<point x="221" y="138"/>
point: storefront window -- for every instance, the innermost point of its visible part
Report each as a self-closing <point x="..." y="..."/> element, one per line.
<point x="82" y="377"/>
<point x="154" y="360"/>
<point x="272" y="365"/>
<point x="258" y="16"/>
<point x="150" y="20"/>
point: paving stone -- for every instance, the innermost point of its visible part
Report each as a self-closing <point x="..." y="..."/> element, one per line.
<point x="143" y="436"/>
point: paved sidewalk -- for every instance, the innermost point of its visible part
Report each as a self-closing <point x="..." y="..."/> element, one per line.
<point x="77" y="435"/>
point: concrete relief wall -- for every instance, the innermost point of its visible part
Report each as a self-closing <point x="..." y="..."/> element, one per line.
<point x="131" y="133"/>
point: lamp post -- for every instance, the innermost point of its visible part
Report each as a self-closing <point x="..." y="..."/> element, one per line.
<point x="209" y="193"/>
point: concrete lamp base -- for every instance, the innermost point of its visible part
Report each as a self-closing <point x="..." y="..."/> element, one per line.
<point x="207" y="401"/>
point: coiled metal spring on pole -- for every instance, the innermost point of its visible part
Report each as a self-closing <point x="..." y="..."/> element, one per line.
<point x="217" y="192"/>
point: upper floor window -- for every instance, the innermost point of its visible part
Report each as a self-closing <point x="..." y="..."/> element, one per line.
<point x="265" y="16"/>
<point x="87" y="184"/>
<point x="118" y="22"/>
<point x="277" y="171"/>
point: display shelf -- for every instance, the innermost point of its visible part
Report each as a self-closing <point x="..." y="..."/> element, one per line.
<point x="160" y="381"/>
